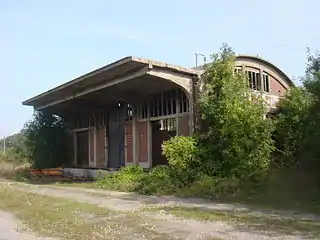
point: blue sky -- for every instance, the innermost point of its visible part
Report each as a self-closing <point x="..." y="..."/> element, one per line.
<point x="46" y="43"/>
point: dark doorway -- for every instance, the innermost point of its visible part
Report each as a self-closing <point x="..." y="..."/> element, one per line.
<point x="159" y="135"/>
<point x="117" y="118"/>
<point x="82" y="148"/>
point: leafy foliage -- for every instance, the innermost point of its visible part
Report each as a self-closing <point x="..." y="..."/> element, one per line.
<point x="292" y="120"/>
<point x="298" y="123"/>
<point x="312" y="84"/>
<point x="180" y="151"/>
<point x="160" y="180"/>
<point x="126" y="179"/>
<point x="15" y="147"/>
<point x="46" y="141"/>
<point x="182" y="154"/>
<point x="239" y="140"/>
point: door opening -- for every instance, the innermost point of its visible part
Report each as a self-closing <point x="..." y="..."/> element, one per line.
<point x="162" y="130"/>
<point x="116" y="132"/>
<point x="82" y="149"/>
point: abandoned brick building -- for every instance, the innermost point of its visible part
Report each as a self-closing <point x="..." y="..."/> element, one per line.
<point x="121" y="113"/>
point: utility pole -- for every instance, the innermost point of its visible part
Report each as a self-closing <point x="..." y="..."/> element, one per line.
<point x="200" y="54"/>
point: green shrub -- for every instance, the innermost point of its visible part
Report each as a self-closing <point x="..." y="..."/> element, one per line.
<point x="182" y="152"/>
<point x="212" y="188"/>
<point x="292" y="121"/>
<point x="126" y="179"/>
<point x="158" y="181"/>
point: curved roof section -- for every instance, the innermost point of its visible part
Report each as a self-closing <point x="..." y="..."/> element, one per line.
<point x="267" y="63"/>
<point x="262" y="61"/>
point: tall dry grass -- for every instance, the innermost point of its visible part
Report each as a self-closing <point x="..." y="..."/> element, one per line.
<point x="10" y="169"/>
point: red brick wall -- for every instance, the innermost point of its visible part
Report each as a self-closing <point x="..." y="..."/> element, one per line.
<point x="100" y="146"/>
<point x="276" y="87"/>
<point x="91" y="146"/>
<point x="128" y="137"/>
<point x="183" y="125"/>
<point x="142" y="133"/>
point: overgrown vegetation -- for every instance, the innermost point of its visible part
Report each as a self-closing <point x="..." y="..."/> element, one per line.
<point x="237" y="143"/>
<point x="241" y="155"/>
<point x="46" y="140"/>
<point x="15" y="151"/>
<point x="41" y="144"/>
<point x="238" y="139"/>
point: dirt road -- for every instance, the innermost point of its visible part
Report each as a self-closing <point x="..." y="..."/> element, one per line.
<point x="177" y="227"/>
<point x="12" y="229"/>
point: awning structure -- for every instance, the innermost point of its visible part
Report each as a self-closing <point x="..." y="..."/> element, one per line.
<point x="129" y="79"/>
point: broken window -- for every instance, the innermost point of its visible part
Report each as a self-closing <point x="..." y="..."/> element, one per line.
<point x="164" y="104"/>
<point x="254" y="80"/>
<point x="266" y="86"/>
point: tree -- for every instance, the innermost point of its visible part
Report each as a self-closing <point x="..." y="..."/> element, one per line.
<point x="292" y="121"/>
<point x="239" y="140"/>
<point x="311" y="82"/>
<point x="46" y="140"/>
<point x="298" y="124"/>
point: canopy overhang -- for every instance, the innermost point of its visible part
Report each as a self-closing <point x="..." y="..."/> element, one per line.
<point x="130" y="77"/>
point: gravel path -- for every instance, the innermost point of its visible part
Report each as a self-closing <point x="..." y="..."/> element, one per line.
<point x="177" y="227"/>
<point x="10" y="229"/>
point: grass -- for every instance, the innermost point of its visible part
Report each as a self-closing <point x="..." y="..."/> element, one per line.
<point x="255" y="221"/>
<point x="272" y="197"/>
<point x="67" y="219"/>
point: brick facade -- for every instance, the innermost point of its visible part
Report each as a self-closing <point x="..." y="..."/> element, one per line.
<point x="276" y="87"/>
<point x="91" y="147"/>
<point x="142" y="132"/>
<point x="100" y="147"/>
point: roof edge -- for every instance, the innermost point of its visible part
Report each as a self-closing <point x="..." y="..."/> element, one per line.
<point x="81" y="78"/>
<point x="109" y="67"/>
<point x="259" y="59"/>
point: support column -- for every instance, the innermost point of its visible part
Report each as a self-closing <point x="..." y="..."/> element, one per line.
<point x="149" y="138"/>
<point x="134" y="136"/>
<point x="95" y="146"/>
